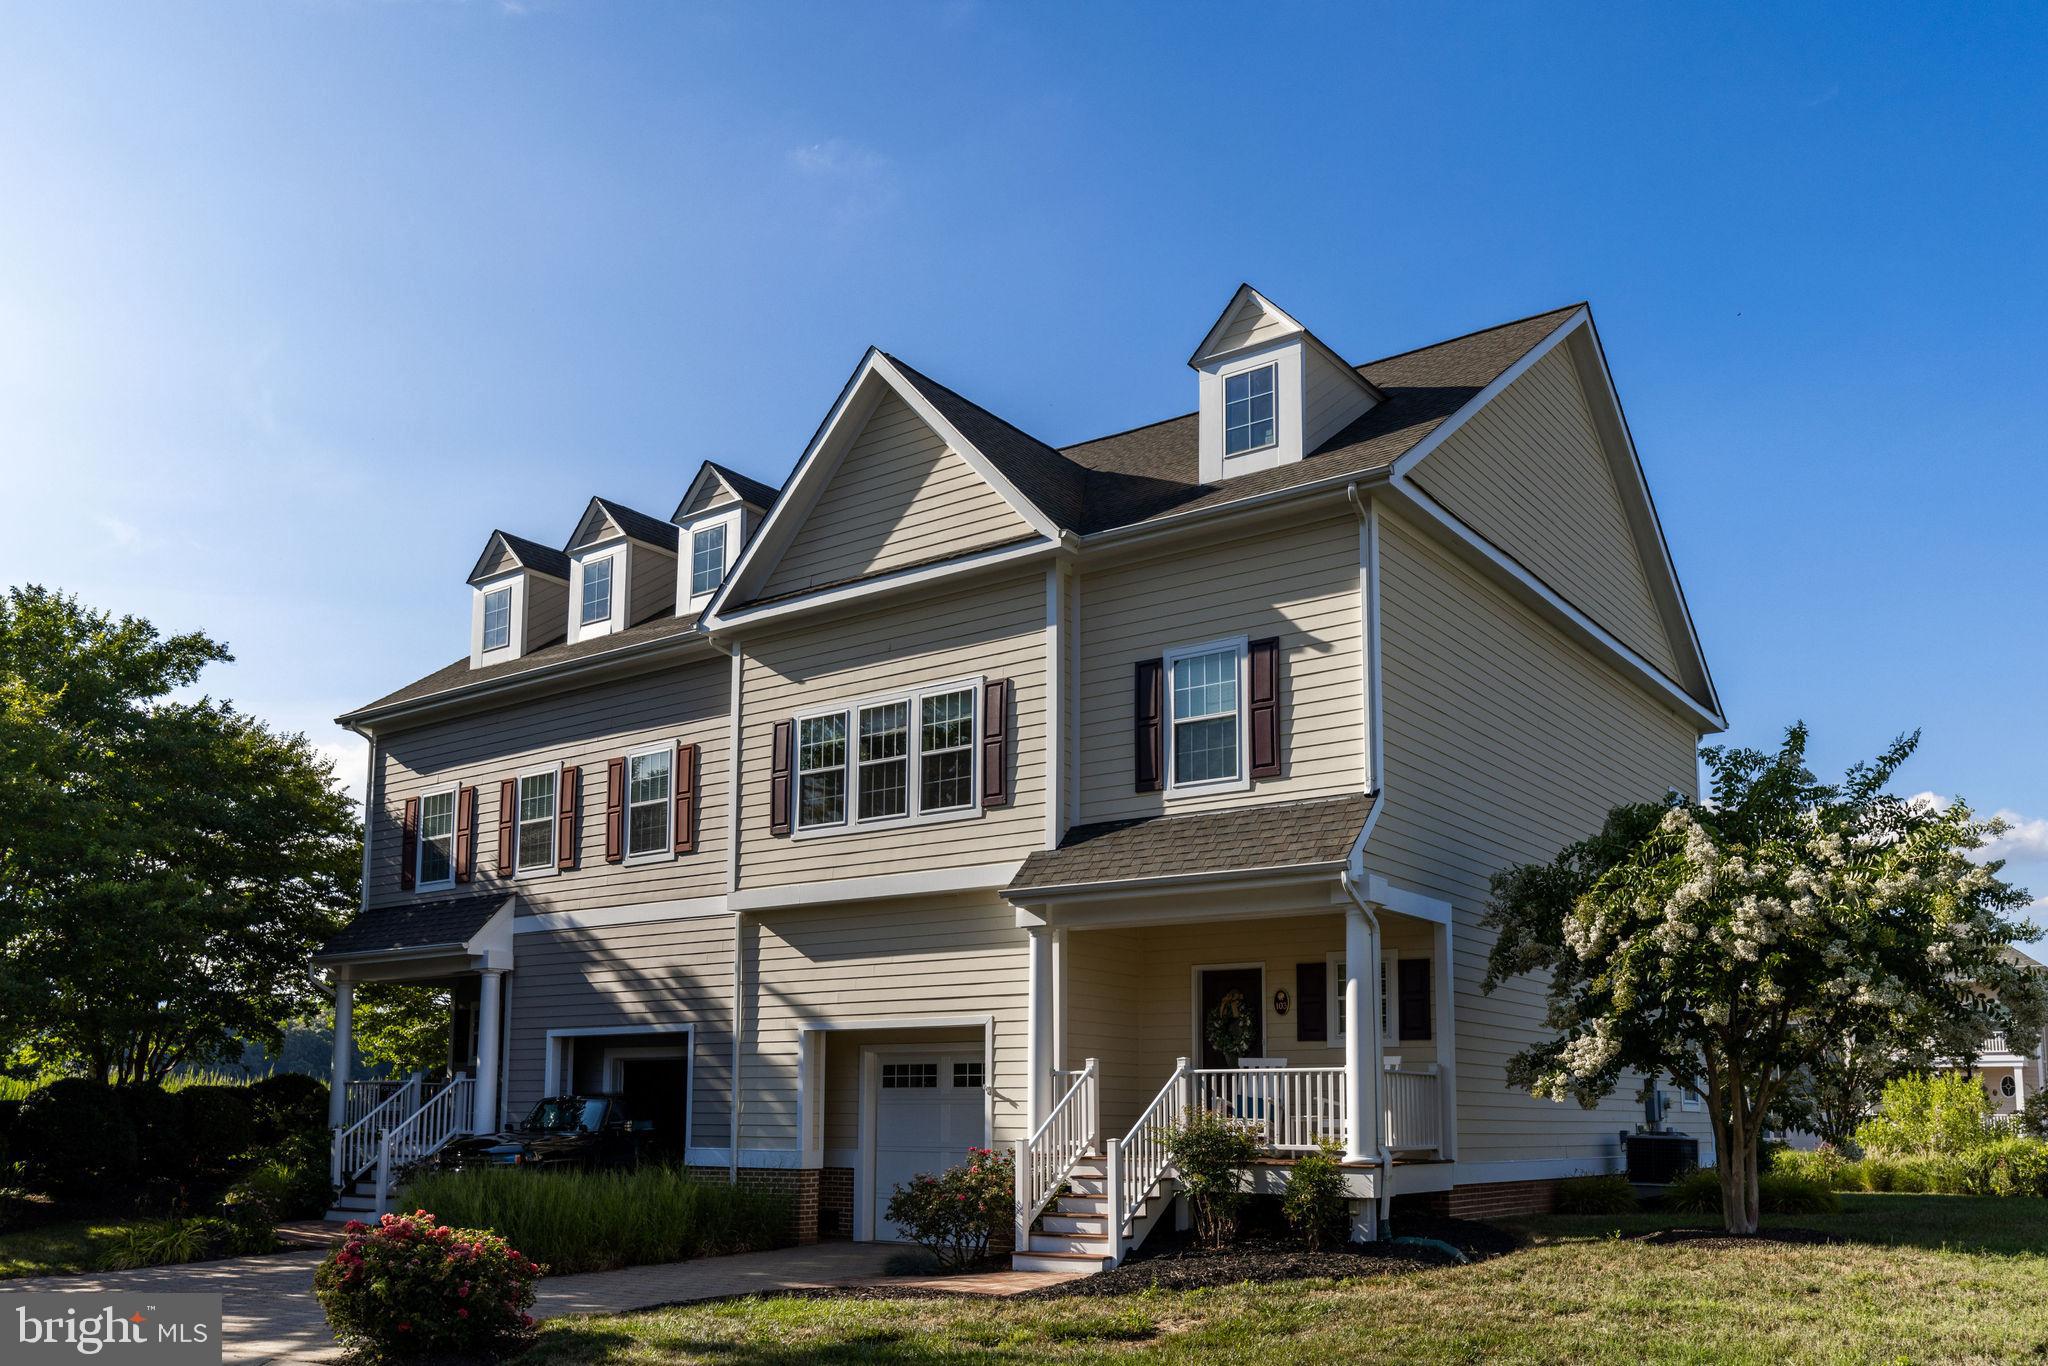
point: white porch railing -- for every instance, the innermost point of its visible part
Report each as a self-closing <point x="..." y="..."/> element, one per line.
<point x="447" y="1114"/>
<point x="1295" y="1107"/>
<point x="1138" y="1160"/>
<point x="1045" y="1160"/>
<point x="361" y="1097"/>
<point x="355" y="1143"/>
<point x="1415" y="1109"/>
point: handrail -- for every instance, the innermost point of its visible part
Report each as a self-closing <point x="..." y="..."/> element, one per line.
<point x="424" y="1132"/>
<point x="1047" y="1158"/>
<point x="1296" y="1108"/>
<point x="1138" y="1161"/>
<point x="1414" y="1107"/>
<point x="355" y="1146"/>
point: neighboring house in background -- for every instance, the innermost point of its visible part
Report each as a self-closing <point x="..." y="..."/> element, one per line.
<point x="2012" y="1070"/>
<point x="962" y="788"/>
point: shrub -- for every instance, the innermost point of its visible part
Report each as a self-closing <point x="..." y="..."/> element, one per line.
<point x="288" y="1104"/>
<point x="158" y="1116"/>
<point x="2032" y="1120"/>
<point x="1315" y="1204"/>
<point x="288" y="1181"/>
<point x="1211" y="1153"/>
<point x="600" y="1221"/>
<point x="10" y="1114"/>
<point x="954" y="1214"/>
<point x="1943" y="1115"/>
<point x="412" y="1287"/>
<point x="183" y="1238"/>
<point x="220" y="1128"/>
<point x="1699" y="1192"/>
<point x="1599" y="1195"/>
<point x="74" y="1138"/>
<point x="1824" y="1164"/>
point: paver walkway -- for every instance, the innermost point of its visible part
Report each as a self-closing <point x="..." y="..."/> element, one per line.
<point x="270" y="1313"/>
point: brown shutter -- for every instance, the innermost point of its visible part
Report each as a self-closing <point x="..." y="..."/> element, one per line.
<point x="780" y="758"/>
<point x="995" y="742"/>
<point x="1265" y="708"/>
<point x="1312" y="1002"/>
<point x="465" y="832"/>
<point x="614" y="810"/>
<point x="686" y="799"/>
<point x="568" y="819"/>
<point x="508" y="817"/>
<point x="1148" y="737"/>
<point x="409" y="845"/>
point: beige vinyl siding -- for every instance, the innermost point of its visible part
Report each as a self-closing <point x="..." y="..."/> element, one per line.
<point x="995" y="630"/>
<point x="683" y="703"/>
<point x="1505" y="741"/>
<point x="934" y="958"/>
<point x="596" y="527"/>
<point x="899" y="497"/>
<point x="626" y="976"/>
<point x="1105" y="980"/>
<point x="1297" y="583"/>
<point x="1252" y="325"/>
<point x="547" y="611"/>
<point x="499" y="563"/>
<point x="1528" y="473"/>
<point x="1332" y="398"/>
<point x="654" y="584"/>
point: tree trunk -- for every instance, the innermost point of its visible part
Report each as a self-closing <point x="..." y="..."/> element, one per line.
<point x="1737" y="1159"/>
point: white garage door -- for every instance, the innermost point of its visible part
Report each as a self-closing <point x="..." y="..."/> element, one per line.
<point x="928" y="1113"/>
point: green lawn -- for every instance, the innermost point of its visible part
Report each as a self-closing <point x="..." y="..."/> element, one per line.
<point x="1920" y="1278"/>
<point x="70" y="1245"/>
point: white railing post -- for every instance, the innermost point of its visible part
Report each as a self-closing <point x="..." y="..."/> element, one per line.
<point x="383" y="1174"/>
<point x="1184" y="1094"/>
<point x="1023" y="1171"/>
<point x="1094" y="1100"/>
<point x="1113" y="1198"/>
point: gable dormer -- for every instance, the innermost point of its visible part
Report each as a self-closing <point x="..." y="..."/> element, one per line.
<point x="622" y="569"/>
<point x="520" y="591"/>
<point x="717" y="516"/>
<point x="1271" y="393"/>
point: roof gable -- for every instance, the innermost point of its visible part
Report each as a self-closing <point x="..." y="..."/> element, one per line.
<point x="1249" y="319"/>
<point x="504" y="552"/>
<point x="605" y="520"/>
<point x="718" y="486"/>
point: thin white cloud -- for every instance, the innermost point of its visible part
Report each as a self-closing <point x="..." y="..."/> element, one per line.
<point x="858" y="183"/>
<point x="2025" y="838"/>
<point x="124" y="534"/>
<point x="349" y="754"/>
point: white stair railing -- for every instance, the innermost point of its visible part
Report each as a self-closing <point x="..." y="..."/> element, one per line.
<point x="1138" y="1161"/>
<point x="446" y="1115"/>
<point x="1415" y="1108"/>
<point x="361" y="1097"/>
<point x="1045" y="1160"/>
<point x="355" y="1143"/>
<point x="1295" y="1107"/>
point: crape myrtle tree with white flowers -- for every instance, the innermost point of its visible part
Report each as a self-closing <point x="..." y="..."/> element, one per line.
<point x="1730" y="943"/>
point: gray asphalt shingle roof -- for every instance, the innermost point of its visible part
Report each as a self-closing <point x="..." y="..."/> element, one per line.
<point x="640" y="526"/>
<point x="421" y="925"/>
<point x="753" y="490"/>
<point x="534" y="555"/>
<point x="1318" y="830"/>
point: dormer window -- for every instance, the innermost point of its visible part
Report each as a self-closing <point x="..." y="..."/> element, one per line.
<point x="497" y="618"/>
<point x="707" y="558"/>
<point x="597" y="590"/>
<point x="1248" y="410"/>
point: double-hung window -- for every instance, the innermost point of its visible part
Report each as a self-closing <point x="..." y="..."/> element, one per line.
<point x="437" y="839"/>
<point x="536" y="820"/>
<point x="497" y="618"/>
<point x="1248" y="423"/>
<point x="649" y="786"/>
<point x="889" y="759"/>
<point x="1205" y="696"/>
<point x="707" y="558"/>
<point x="597" y="590"/>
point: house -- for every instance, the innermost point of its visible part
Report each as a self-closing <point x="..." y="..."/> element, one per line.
<point x="969" y="788"/>
<point x="2010" y="1070"/>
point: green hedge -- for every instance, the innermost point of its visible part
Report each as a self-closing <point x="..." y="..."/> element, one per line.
<point x="600" y="1221"/>
<point x="1596" y="1195"/>
<point x="2005" y="1166"/>
<point x="1778" y="1192"/>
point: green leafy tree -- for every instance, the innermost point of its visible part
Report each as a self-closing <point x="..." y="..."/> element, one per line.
<point x="167" y="863"/>
<point x="1729" y="942"/>
<point x="401" y="1027"/>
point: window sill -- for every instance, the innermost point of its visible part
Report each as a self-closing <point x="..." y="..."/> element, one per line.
<point x="542" y="870"/>
<point x="886" y="824"/>
<point x="1224" y="787"/>
<point x="650" y="856"/>
<point x="447" y="886"/>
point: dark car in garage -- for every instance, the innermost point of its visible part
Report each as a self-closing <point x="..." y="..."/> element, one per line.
<point x="579" y="1131"/>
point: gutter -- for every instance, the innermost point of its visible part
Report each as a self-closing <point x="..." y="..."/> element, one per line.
<point x="1061" y="891"/>
<point x="1173" y="522"/>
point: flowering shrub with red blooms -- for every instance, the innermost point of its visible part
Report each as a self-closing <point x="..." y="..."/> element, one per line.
<point x="408" y="1287"/>
<point x="955" y="1213"/>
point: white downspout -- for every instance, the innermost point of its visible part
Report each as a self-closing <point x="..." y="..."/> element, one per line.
<point x="1375" y="1047"/>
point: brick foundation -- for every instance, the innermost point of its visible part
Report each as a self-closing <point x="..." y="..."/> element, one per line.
<point x="799" y="1183"/>
<point x="835" y="1202"/>
<point x="1496" y="1200"/>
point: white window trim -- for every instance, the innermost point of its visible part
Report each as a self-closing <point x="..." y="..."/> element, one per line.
<point x="730" y="519"/>
<point x="1242" y="781"/>
<point x="516" y="581"/>
<point x="485" y="646"/>
<point x="619" y="550"/>
<point x="552" y="866"/>
<point x="667" y="852"/>
<point x="914" y="814"/>
<point x="1390" y="999"/>
<point x="1230" y="373"/>
<point x="611" y="583"/>
<point x="419" y="843"/>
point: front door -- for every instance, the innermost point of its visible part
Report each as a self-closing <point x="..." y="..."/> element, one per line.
<point x="929" y="1110"/>
<point x="1217" y="986"/>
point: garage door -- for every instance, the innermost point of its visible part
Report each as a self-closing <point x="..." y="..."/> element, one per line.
<point x="928" y="1113"/>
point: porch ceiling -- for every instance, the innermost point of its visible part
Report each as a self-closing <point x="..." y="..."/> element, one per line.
<point x="1274" y="837"/>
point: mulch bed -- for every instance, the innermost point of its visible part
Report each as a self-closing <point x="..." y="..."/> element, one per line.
<point x="1722" y="1239"/>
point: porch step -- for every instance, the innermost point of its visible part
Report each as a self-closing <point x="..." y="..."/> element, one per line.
<point x="1082" y="1182"/>
<point x="1084" y="1205"/>
<point x="1091" y="1244"/>
<point x="1061" y="1261"/>
<point x="1082" y="1226"/>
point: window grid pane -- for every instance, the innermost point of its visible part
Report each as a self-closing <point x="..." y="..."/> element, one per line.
<point x="647" y="797"/>
<point x="946" y="751"/>
<point x="1248" y="410"/>
<point x="437" y="837"/>
<point x="707" y="559"/>
<point x="967" y="1074"/>
<point x="821" y="770"/>
<point x="1205" y="725"/>
<point x="597" y="590"/>
<point x="910" y="1075"/>
<point x="884" y="761"/>
<point x="497" y="619"/>
<point x="536" y="820"/>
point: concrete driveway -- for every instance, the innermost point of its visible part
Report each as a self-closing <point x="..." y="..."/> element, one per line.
<point x="270" y="1313"/>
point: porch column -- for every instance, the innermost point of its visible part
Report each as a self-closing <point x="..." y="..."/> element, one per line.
<point x="487" y="1043"/>
<point x="1361" y="1038"/>
<point x="1446" y="1030"/>
<point x="344" y="1044"/>
<point x="1039" y="1051"/>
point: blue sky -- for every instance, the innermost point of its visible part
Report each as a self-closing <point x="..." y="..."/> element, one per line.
<point x="299" y="300"/>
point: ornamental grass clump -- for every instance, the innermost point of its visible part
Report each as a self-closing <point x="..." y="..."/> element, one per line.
<point x="410" y="1287"/>
<point x="955" y="1213"/>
